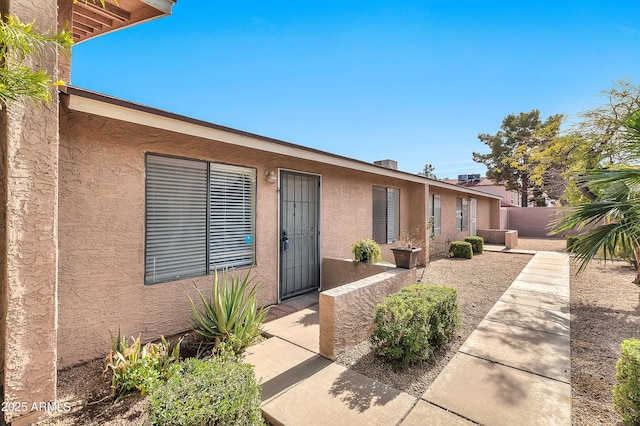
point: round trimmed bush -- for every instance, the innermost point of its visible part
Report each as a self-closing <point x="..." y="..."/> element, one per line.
<point x="218" y="391"/>
<point x="411" y="324"/>
<point x="461" y="249"/>
<point x="477" y="244"/>
<point x="626" y="393"/>
<point x="366" y="251"/>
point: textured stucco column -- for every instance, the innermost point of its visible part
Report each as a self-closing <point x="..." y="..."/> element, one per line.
<point x="29" y="138"/>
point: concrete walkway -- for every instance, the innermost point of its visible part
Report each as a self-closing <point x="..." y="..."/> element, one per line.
<point x="513" y="369"/>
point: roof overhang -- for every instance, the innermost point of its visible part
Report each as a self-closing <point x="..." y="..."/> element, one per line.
<point x="89" y="102"/>
<point x="91" y="18"/>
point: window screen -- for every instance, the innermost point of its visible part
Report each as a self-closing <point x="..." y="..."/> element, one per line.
<point x="176" y="219"/>
<point x="198" y="216"/>
<point x="386" y="214"/>
<point x="436" y="214"/>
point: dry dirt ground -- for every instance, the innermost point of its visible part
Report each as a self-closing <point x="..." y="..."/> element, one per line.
<point x="605" y="309"/>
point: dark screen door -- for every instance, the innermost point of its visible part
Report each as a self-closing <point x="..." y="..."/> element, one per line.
<point x="299" y="233"/>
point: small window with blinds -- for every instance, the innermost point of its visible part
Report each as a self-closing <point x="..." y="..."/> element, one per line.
<point x="386" y="214"/>
<point x="198" y="216"/>
<point x="436" y="214"/>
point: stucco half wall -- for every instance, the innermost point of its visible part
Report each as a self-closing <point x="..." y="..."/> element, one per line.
<point x="101" y="225"/>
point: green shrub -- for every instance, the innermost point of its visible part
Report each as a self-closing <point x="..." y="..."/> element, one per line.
<point x="230" y="315"/>
<point x="571" y="242"/>
<point x="461" y="249"/>
<point x="366" y="251"/>
<point x="218" y="391"/>
<point x="411" y="324"/>
<point x="626" y="393"/>
<point x="477" y="244"/>
<point x="137" y="368"/>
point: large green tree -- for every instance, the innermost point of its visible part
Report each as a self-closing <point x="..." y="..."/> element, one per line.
<point x="598" y="140"/>
<point x="510" y="161"/>
<point x="610" y="224"/>
<point x="19" y="43"/>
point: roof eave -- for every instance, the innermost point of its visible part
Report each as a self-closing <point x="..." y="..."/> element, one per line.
<point x="86" y="101"/>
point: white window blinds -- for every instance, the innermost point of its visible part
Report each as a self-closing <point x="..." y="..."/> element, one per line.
<point x="198" y="216"/>
<point x="232" y="224"/>
<point x="436" y="214"/>
<point x="176" y="219"/>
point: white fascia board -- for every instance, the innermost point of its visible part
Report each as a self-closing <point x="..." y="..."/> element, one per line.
<point x="136" y="116"/>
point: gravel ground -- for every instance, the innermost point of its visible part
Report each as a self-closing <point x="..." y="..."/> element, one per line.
<point x="605" y="309"/>
<point x="479" y="285"/>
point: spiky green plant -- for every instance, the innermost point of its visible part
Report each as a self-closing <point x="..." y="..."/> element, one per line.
<point x="19" y="43"/>
<point x="230" y="314"/>
<point x="135" y="367"/>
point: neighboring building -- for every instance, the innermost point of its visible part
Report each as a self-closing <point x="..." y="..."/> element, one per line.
<point x="509" y="198"/>
<point x="113" y="211"/>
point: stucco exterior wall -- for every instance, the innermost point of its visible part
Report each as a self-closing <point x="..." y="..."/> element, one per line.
<point x="29" y="137"/>
<point x="487" y="216"/>
<point x="102" y="228"/>
<point x="533" y="221"/>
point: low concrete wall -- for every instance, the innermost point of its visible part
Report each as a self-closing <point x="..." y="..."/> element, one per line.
<point x="337" y="272"/>
<point x="509" y="238"/>
<point x="346" y="312"/>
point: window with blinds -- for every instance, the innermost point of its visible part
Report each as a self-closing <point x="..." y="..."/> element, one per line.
<point x="232" y="219"/>
<point x="436" y="214"/>
<point x="386" y="214"/>
<point x="198" y="216"/>
<point x="462" y="214"/>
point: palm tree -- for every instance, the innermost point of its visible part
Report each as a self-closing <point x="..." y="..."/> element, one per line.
<point x="611" y="223"/>
<point x="19" y="42"/>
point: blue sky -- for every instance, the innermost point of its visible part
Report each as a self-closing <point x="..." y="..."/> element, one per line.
<point x="414" y="81"/>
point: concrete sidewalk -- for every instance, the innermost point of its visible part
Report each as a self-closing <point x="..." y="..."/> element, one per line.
<point x="513" y="369"/>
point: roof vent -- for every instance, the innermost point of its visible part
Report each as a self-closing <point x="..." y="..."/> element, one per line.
<point x="387" y="164"/>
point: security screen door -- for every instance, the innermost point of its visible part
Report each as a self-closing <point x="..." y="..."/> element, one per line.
<point x="299" y="233"/>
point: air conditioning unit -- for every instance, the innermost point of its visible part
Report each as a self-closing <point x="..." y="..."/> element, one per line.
<point x="387" y="164"/>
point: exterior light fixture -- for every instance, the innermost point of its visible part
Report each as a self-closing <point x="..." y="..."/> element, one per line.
<point x="270" y="176"/>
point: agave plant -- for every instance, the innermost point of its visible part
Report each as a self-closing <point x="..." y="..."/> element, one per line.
<point x="230" y="314"/>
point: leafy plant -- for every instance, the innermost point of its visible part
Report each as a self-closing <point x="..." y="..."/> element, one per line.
<point x="218" y="391"/>
<point x="477" y="244"/>
<point x="626" y="393"/>
<point x="230" y="314"/>
<point x="461" y="249"/>
<point x="412" y="323"/>
<point x="367" y="251"/>
<point x="137" y="368"/>
<point x="20" y="41"/>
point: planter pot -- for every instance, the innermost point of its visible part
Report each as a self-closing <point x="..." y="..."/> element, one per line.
<point x="406" y="258"/>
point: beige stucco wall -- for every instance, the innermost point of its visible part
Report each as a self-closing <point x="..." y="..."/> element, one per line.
<point x="29" y="138"/>
<point x="346" y="312"/>
<point x="102" y="228"/>
<point x="487" y="214"/>
<point x="533" y="221"/>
